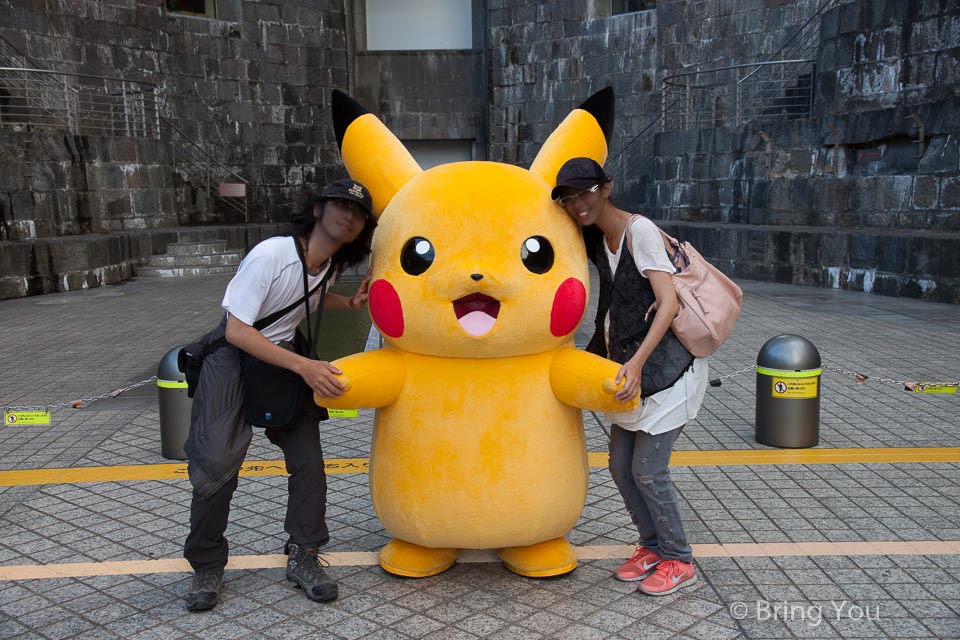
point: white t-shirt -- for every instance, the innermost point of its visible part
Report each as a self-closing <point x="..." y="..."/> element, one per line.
<point x="269" y="279"/>
<point x="674" y="406"/>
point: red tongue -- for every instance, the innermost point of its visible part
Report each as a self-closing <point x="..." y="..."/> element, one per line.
<point x="476" y="302"/>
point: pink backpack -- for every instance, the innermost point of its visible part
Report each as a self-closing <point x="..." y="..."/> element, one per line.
<point x="709" y="301"/>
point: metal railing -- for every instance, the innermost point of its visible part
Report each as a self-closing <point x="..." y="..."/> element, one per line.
<point x="32" y="97"/>
<point x="720" y="98"/>
<point x="83" y="104"/>
<point x="630" y="164"/>
<point x="777" y="88"/>
<point x="203" y="171"/>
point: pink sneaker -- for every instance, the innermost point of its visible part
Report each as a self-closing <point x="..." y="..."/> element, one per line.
<point x="669" y="576"/>
<point x="640" y="565"/>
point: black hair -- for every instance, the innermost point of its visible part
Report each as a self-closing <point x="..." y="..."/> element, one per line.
<point x="592" y="237"/>
<point x="348" y="255"/>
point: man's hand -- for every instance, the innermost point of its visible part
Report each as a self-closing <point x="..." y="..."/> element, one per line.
<point x="321" y="376"/>
<point x="360" y="296"/>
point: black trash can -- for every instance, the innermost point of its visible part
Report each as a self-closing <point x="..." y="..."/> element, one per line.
<point x="175" y="407"/>
<point x="788" y="393"/>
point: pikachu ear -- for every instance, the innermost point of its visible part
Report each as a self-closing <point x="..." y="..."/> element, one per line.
<point x="371" y="153"/>
<point x="584" y="132"/>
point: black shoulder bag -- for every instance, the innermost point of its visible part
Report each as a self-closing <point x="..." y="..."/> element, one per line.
<point x="274" y="396"/>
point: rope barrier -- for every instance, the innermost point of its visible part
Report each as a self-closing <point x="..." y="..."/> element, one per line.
<point x="945" y="388"/>
<point x="862" y="378"/>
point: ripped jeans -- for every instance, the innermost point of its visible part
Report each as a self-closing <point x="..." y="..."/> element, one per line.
<point x="639" y="464"/>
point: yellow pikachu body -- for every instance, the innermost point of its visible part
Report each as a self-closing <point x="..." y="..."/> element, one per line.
<point x="479" y="284"/>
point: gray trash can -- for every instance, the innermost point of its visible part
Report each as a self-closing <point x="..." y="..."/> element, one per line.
<point x="175" y="407"/>
<point x="788" y="393"/>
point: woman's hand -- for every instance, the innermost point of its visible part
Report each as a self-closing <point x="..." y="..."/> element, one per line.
<point x="630" y="373"/>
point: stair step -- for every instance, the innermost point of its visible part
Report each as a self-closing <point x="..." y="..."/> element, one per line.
<point x="199" y="235"/>
<point x="195" y="248"/>
<point x="179" y="272"/>
<point x="228" y="258"/>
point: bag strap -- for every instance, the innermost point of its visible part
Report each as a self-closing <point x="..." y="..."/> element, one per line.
<point x="671" y="244"/>
<point x="312" y="336"/>
<point x="266" y="321"/>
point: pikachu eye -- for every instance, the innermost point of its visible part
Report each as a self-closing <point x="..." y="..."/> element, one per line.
<point x="417" y="255"/>
<point x="537" y="254"/>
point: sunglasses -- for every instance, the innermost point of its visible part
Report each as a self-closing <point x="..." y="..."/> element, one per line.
<point x="568" y="199"/>
<point x="356" y="209"/>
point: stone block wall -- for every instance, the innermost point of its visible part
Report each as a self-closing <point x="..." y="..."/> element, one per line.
<point x="878" y="55"/>
<point x="852" y="197"/>
<point x="47" y="265"/>
<point x="251" y="86"/>
<point x="425" y="95"/>
<point x="704" y="34"/>
<point x="548" y="57"/>
<point x="63" y="185"/>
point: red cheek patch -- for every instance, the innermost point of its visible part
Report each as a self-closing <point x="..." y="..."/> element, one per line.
<point x="385" y="308"/>
<point x="569" y="304"/>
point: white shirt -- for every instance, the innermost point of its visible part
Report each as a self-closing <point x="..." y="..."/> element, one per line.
<point x="674" y="406"/>
<point x="269" y="279"/>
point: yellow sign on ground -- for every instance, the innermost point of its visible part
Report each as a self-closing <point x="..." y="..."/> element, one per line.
<point x="794" y="387"/>
<point x="343" y="413"/>
<point x="23" y="418"/>
<point x="930" y="387"/>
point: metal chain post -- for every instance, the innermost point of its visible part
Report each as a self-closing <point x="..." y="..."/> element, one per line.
<point x="80" y="403"/>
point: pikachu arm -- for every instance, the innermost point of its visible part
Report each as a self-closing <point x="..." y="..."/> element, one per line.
<point x="372" y="379"/>
<point x="583" y="380"/>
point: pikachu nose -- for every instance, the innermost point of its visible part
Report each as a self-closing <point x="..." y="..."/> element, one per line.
<point x="477" y="277"/>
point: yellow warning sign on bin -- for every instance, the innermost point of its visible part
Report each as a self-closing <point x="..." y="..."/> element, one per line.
<point x="794" y="387"/>
<point x="24" y="418"/>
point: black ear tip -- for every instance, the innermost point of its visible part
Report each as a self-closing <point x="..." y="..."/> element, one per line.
<point x="345" y="110"/>
<point x="601" y="106"/>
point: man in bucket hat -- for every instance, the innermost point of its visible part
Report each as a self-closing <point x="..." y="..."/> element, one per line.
<point x="264" y="304"/>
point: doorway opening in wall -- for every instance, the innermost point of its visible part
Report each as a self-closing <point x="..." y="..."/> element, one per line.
<point x="630" y="6"/>
<point x="430" y="153"/>
<point x="207" y="8"/>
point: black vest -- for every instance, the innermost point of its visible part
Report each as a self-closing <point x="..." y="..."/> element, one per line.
<point x="627" y="296"/>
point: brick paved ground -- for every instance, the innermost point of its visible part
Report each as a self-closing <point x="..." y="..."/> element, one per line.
<point x="60" y="347"/>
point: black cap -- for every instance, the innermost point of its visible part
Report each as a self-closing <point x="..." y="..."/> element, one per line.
<point x="578" y="173"/>
<point x="349" y="190"/>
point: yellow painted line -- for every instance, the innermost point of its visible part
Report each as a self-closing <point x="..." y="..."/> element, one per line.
<point x="596" y="459"/>
<point x="369" y="558"/>
<point x="722" y="458"/>
<point x="126" y="473"/>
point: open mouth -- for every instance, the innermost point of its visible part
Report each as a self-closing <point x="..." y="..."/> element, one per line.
<point x="476" y="313"/>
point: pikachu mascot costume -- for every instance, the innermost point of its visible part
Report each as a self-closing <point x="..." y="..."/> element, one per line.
<point x="479" y="285"/>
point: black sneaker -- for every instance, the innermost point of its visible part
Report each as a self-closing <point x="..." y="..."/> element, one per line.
<point x="304" y="571"/>
<point x="205" y="589"/>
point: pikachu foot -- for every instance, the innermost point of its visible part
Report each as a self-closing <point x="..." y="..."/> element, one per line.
<point x="413" y="561"/>
<point x="542" y="560"/>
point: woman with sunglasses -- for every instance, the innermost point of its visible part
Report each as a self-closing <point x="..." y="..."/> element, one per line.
<point x="636" y="305"/>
